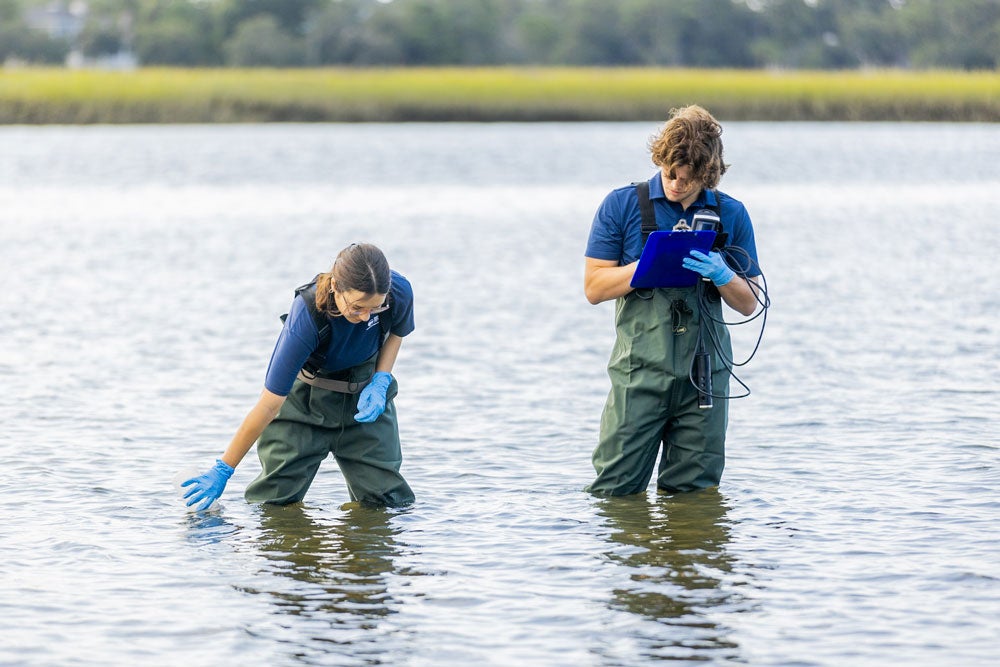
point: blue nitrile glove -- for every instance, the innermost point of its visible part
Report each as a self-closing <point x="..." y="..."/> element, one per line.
<point x="371" y="403"/>
<point x="712" y="266"/>
<point x="208" y="487"/>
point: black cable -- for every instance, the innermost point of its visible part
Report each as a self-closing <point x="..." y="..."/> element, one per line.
<point x="709" y="332"/>
<point x="704" y="308"/>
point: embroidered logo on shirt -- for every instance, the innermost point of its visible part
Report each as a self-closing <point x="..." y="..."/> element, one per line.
<point x="372" y="321"/>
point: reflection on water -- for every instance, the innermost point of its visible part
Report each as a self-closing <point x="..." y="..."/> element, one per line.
<point x="674" y="548"/>
<point x="332" y="574"/>
<point x="208" y="527"/>
<point x="853" y="528"/>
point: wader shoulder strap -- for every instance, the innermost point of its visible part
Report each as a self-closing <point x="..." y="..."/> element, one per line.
<point x="649" y="214"/>
<point x="645" y="210"/>
<point x="721" y="237"/>
<point x="385" y="320"/>
<point x="322" y="322"/>
<point x="323" y="329"/>
<point x="308" y="294"/>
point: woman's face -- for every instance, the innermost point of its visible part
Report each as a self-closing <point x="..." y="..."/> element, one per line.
<point x="357" y="306"/>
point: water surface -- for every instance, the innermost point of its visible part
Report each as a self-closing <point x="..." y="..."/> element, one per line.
<point x="144" y="271"/>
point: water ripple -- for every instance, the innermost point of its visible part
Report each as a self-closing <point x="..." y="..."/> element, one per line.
<point x="856" y="523"/>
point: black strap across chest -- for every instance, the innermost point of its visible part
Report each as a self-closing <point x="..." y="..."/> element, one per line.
<point x="324" y="330"/>
<point x="648" y="213"/>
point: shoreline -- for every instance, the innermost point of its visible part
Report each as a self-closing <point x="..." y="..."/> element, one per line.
<point x="43" y="96"/>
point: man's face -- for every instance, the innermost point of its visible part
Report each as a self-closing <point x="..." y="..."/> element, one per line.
<point x="679" y="186"/>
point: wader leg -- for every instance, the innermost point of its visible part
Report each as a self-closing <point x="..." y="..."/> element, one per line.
<point x="694" y="451"/>
<point x="631" y="430"/>
<point x="694" y="442"/>
<point x="634" y="415"/>
<point x="652" y="399"/>
<point x="369" y="455"/>
<point x="290" y="454"/>
<point x="292" y="446"/>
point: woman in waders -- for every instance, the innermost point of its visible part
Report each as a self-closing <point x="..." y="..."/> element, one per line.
<point x="328" y="389"/>
<point x="652" y="400"/>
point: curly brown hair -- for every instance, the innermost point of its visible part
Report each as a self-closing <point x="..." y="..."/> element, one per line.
<point x="359" y="266"/>
<point x="693" y="138"/>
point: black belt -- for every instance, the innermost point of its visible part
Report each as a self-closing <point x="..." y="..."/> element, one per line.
<point x="341" y="386"/>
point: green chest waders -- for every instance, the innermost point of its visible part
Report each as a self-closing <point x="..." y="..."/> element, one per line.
<point x="313" y="423"/>
<point x="652" y="400"/>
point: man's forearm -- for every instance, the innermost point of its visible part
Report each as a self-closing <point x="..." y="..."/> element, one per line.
<point x="610" y="282"/>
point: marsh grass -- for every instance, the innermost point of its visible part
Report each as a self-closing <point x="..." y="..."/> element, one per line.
<point x="488" y="94"/>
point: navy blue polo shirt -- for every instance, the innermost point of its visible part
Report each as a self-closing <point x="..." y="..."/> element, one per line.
<point x="616" y="233"/>
<point x="350" y="344"/>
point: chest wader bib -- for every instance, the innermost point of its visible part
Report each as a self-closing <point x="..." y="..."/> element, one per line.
<point x="653" y="401"/>
<point x="315" y="422"/>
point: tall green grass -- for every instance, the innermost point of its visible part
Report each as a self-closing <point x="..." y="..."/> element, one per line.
<point x="488" y="94"/>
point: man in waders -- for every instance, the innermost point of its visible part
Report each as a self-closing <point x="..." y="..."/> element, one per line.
<point x="652" y="398"/>
<point x="328" y="390"/>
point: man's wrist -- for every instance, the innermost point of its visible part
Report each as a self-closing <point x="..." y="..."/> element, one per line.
<point x="724" y="279"/>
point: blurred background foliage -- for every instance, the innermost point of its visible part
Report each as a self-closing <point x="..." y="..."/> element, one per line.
<point x="777" y="34"/>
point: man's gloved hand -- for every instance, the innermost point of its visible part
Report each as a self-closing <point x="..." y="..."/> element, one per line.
<point x="208" y="487"/>
<point x="371" y="403"/>
<point x="712" y="266"/>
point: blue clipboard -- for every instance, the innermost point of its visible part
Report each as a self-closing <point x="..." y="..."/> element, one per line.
<point x="660" y="261"/>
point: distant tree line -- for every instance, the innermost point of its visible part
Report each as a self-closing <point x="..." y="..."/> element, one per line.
<point x="794" y="34"/>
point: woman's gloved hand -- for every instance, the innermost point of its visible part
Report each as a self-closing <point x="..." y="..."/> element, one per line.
<point x="371" y="403"/>
<point x="712" y="266"/>
<point x="208" y="487"/>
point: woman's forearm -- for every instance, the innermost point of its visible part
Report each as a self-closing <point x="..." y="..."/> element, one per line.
<point x="262" y="414"/>
<point x="387" y="357"/>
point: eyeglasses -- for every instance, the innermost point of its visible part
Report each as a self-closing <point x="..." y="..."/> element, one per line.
<point x="355" y="311"/>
